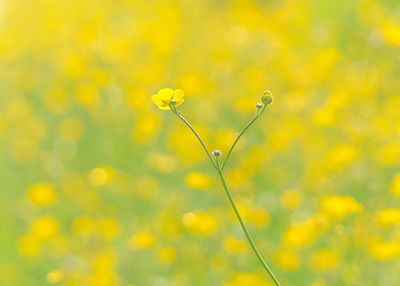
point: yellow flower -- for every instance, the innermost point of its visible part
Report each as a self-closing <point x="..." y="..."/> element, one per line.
<point x="165" y="95"/>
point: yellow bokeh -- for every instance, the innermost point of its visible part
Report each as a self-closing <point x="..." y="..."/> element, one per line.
<point x="29" y="245"/>
<point x="291" y="199"/>
<point x="199" y="181"/>
<point x="84" y="226"/>
<point x="287" y="259"/>
<point x="324" y="260"/>
<point x="395" y="186"/>
<point x="385" y="250"/>
<point x="234" y="245"/>
<point x="104" y="185"/>
<point x="55" y="276"/>
<point x="340" y="206"/>
<point x="388" y="217"/>
<point x="200" y="222"/>
<point x="109" y="228"/>
<point x="101" y="175"/>
<point x="45" y="227"/>
<point x="142" y="240"/>
<point x="167" y="255"/>
<point x="42" y="194"/>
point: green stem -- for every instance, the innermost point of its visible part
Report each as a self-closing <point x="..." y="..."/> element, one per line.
<point x="240" y="135"/>
<point x="196" y="134"/>
<point x="246" y="232"/>
<point x="219" y="169"/>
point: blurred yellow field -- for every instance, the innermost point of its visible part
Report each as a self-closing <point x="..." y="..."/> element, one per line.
<point x="102" y="187"/>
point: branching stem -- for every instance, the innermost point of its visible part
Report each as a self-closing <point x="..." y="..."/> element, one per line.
<point x="258" y="114"/>
<point x="173" y="108"/>
<point x="219" y="168"/>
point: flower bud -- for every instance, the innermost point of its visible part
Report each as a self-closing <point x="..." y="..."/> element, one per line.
<point x="258" y="105"/>
<point x="267" y="98"/>
<point x="216" y="153"/>
<point x="172" y="102"/>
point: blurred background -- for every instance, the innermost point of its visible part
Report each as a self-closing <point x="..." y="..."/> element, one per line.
<point x="99" y="187"/>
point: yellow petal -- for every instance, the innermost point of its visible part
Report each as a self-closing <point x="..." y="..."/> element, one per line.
<point x="156" y="99"/>
<point x="178" y="95"/>
<point x="179" y="102"/>
<point x="164" y="106"/>
<point x="166" y="94"/>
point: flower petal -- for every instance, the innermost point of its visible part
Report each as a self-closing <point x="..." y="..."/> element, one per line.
<point x="179" y="102"/>
<point x="164" y="106"/>
<point x="166" y="94"/>
<point x="178" y="95"/>
<point x="156" y="99"/>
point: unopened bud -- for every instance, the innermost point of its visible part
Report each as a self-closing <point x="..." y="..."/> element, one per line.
<point x="172" y="102"/>
<point x="216" y="153"/>
<point x="267" y="98"/>
<point x="258" y="105"/>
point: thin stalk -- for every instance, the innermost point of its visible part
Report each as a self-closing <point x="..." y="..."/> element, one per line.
<point x="219" y="169"/>
<point x="246" y="232"/>
<point x="173" y="108"/>
<point x="240" y="135"/>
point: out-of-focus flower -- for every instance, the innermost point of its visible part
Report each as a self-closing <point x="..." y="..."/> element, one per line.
<point x="201" y="223"/>
<point x="109" y="228"/>
<point x="341" y="156"/>
<point x="385" y="250"/>
<point x="258" y="216"/>
<point x="319" y="282"/>
<point x="101" y="175"/>
<point x="164" y="97"/>
<point x="388" y="217"/>
<point x="340" y="206"/>
<point x="287" y="259"/>
<point x="167" y="255"/>
<point x="324" y="260"/>
<point x="45" y="227"/>
<point x="300" y="235"/>
<point x="55" y="276"/>
<point x="84" y="226"/>
<point x="146" y="127"/>
<point x="42" y="194"/>
<point x="200" y="181"/>
<point x="247" y="279"/>
<point x="395" y="186"/>
<point x="290" y="199"/>
<point x="29" y="245"/>
<point x="235" y="245"/>
<point x="142" y="240"/>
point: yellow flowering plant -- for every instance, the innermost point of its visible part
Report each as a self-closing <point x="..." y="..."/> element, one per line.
<point x="169" y="99"/>
<point x="164" y="97"/>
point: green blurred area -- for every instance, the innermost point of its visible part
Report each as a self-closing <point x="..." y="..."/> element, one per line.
<point x="101" y="188"/>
